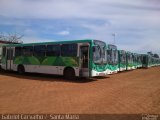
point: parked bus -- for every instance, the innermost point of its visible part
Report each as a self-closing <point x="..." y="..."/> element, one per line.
<point x="129" y="61"/>
<point x="0" y="54"/>
<point x="139" y="60"/>
<point x="112" y="59"/>
<point x="157" y="61"/>
<point x="147" y="60"/>
<point x="122" y="60"/>
<point x="1" y="45"/>
<point x="81" y="58"/>
<point x="135" y="60"/>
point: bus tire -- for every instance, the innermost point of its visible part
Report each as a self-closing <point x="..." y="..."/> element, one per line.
<point x="69" y="73"/>
<point x="21" y="69"/>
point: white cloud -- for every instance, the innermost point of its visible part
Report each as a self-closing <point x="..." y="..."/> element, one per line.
<point x="64" y="33"/>
<point x="31" y="39"/>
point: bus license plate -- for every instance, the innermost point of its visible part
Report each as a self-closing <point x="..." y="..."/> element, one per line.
<point x="101" y="74"/>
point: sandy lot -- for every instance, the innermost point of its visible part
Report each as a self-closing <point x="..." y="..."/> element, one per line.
<point x="132" y="92"/>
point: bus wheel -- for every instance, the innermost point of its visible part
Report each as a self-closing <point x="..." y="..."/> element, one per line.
<point x="69" y="73"/>
<point x="21" y="69"/>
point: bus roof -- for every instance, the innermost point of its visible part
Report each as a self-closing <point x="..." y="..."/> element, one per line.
<point x="111" y="46"/>
<point x="54" y="42"/>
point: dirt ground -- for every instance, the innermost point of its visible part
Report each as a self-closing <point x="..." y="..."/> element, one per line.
<point x="131" y="92"/>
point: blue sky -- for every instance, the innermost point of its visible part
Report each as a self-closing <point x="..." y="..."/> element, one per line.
<point x="136" y="23"/>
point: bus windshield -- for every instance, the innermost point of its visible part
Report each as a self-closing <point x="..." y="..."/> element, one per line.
<point x="130" y="58"/>
<point x="112" y="56"/>
<point x="99" y="54"/>
<point x="123" y="58"/>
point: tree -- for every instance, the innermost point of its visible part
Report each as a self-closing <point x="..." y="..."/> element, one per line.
<point x="150" y="53"/>
<point x="156" y="55"/>
<point x="11" y="37"/>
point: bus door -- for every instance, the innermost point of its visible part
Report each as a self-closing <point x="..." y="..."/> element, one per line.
<point x="84" y="61"/>
<point x="9" y="64"/>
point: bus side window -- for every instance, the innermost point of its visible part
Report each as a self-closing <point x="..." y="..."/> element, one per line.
<point x="40" y="50"/>
<point x="4" y="51"/>
<point x="18" y="51"/>
<point x="53" y="50"/>
<point x="28" y="50"/>
<point x="69" y="50"/>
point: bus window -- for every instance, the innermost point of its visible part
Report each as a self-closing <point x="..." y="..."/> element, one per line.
<point x="0" y="50"/>
<point x="130" y="58"/>
<point x="69" y="50"/>
<point x="109" y="56"/>
<point x="18" y="51"/>
<point x="4" y="51"/>
<point x="144" y="60"/>
<point x="40" y="50"/>
<point x="115" y="56"/>
<point x="97" y="54"/>
<point x="123" y="58"/>
<point x="28" y="50"/>
<point x="9" y="54"/>
<point x="53" y="50"/>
